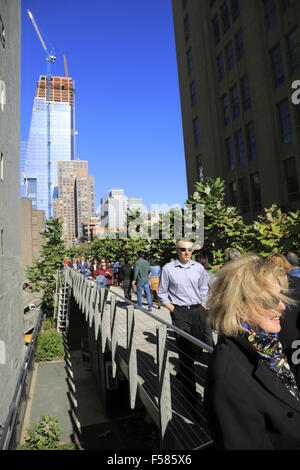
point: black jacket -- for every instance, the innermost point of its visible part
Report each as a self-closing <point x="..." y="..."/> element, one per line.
<point x="126" y="273"/>
<point x="246" y="405"/>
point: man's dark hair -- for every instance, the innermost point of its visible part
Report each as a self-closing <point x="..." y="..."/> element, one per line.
<point x="292" y="259"/>
<point x="141" y="254"/>
<point x="126" y="260"/>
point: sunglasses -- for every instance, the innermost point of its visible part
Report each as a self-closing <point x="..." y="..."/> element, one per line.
<point x="185" y="249"/>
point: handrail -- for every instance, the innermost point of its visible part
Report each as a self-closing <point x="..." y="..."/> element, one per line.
<point x="6" y="431"/>
<point x="177" y="330"/>
<point x="166" y="409"/>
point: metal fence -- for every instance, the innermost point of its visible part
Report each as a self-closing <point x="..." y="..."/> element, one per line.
<point x="143" y="346"/>
<point x="9" y="431"/>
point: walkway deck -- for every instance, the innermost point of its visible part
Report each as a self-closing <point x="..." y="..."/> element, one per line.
<point x="186" y="426"/>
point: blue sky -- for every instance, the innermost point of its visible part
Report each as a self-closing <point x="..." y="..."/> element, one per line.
<point x="121" y="54"/>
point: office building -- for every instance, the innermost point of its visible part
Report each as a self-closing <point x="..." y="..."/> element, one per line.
<point x="51" y="138"/>
<point x="75" y="199"/>
<point x="237" y="60"/>
<point x="113" y="212"/>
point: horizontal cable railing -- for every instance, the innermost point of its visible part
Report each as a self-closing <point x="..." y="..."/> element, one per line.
<point x="145" y="345"/>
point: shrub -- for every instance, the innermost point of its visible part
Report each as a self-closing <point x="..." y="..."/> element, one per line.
<point x="44" y="435"/>
<point x="49" y="346"/>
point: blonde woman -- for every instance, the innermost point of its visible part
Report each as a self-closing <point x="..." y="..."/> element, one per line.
<point x="251" y="396"/>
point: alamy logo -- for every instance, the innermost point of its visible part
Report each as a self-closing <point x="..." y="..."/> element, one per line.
<point x="296" y="353"/>
<point x="296" y="94"/>
<point x="2" y="353"/>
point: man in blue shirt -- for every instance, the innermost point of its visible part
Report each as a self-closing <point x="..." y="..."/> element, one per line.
<point x="183" y="290"/>
<point x="294" y="261"/>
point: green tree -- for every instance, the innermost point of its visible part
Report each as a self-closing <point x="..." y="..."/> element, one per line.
<point x="224" y="226"/>
<point x="276" y="231"/>
<point x="43" y="273"/>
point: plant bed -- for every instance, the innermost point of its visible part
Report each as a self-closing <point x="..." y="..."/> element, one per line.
<point x="49" y="346"/>
<point x="45" y="436"/>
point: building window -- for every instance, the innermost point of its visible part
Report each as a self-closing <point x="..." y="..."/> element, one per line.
<point x="216" y="29"/>
<point x="199" y="162"/>
<point x="244" y="195"/>
<point x="196" y="131"/>
<point x="290" y="171"/>
<point x="235" y="102"/>
<point x="239" y="140"/>
<point x="239" y="45"/>
<point x="186" y="28"/>
<point x="220" y="64"/>
<point x="2" y="33"/>
<point x="270" y="12"/>
<point x="255" y="190"/>
<point x="233" y="196"/>
<point x="293" y="47"/>
<point x="235" y="9"/>
<point x="1" y="166"/>
<point x="193" y="93"/>
<point x="277" y="66"/>
<point x="190" y="61"/>
<point x="245" y="93"/>
<point x="251" y="141"/>
<point x="285" y="121"/>
<point x="229" y="55"/>
<point x="225" y="17"/>
<point x="226" y="111"/>
<point x="286" y="4"/>
<point x="230" y="154"/>
<point x="1" y="242"/>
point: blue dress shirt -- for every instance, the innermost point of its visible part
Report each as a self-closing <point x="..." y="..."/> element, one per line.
<point x="183" y="284"/>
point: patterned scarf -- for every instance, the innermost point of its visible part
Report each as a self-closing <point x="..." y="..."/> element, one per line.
<point x="269" y="348"/>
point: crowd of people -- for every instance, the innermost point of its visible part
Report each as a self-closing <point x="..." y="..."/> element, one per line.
<point x="251" y="395"/>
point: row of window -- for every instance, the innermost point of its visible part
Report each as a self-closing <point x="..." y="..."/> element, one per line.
<point x="271" y="12"/>
<point x="225" y="18"/>
<point x="236" y="147"/>
<point x="293" y="54"/>
<point x="239" y="194"/>
<point x="233" y="101"/>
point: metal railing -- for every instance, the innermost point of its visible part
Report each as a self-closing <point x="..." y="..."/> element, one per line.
<point x="9" y="430"/>
<point x="143" y="345"/>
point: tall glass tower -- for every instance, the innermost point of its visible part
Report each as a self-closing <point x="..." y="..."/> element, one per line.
<point x="40" y="166"/>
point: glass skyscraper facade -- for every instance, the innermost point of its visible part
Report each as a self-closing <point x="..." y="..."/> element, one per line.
<point x="39" y="172"/>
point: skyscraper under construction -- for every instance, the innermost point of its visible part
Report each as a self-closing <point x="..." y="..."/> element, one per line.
<point x="51" y="138"/>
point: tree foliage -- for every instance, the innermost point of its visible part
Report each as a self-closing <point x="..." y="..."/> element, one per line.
<point x="224" y="227"/>
<point x="42" y="274"/>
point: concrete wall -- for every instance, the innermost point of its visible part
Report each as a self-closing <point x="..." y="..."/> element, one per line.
<point x="11" y="303"/>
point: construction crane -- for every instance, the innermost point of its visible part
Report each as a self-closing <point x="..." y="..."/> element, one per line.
<point x="50" y="58"/>
<point x="66" y="68"/>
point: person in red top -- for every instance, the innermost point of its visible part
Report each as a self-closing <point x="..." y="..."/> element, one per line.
<point x="104" y="271"/>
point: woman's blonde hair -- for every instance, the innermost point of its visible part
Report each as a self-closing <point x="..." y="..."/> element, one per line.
<point x="243" y="285"/>
<point x="281" y="261"/>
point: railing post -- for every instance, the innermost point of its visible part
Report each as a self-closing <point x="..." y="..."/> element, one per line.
<point x="103" y="298"/>
<point x="132" y="360"/>
<point x="97" y="313"/>
<point x="163" y="377"/>
<point x="114" y="334"/>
